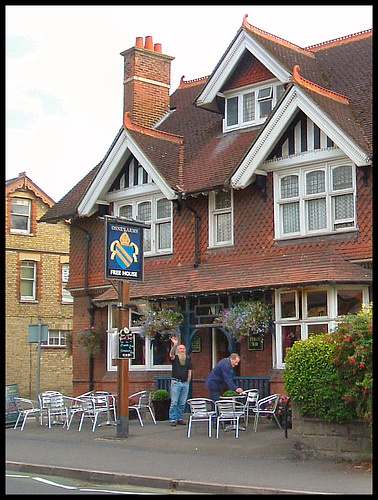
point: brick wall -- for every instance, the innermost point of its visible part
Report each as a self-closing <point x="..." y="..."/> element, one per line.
<point x="48" y="247"/>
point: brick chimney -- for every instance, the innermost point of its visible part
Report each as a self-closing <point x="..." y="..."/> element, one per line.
<point x="147" y="78"/>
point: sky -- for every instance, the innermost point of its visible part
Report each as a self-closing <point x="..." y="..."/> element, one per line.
<point x="64" y="71"/>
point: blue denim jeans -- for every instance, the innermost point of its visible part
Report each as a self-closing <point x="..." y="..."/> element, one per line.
<point x="179" y="393"/>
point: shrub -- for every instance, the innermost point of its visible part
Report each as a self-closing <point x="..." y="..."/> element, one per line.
<point x="160" y="395"/>
<point x="227" y="394"/>
<point x="313" y="382"/>
<point x="354" y="360"/>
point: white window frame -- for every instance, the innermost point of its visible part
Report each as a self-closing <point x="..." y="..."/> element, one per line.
<point x="154" y="222"/>
<point x="112" y="336"/>
<point x="25" y="201"/>
<point x="66" y="295"/>
<point x="276" y="92"/>
<point x="302" y="199"/>
<point x="330" y="320"/>
<point x="32" y="297"/>
<point x="213" y="216"/>
<point x="61" y="336"/>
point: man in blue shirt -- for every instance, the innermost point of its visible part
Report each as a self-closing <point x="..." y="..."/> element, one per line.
<point x="222" y="375"/>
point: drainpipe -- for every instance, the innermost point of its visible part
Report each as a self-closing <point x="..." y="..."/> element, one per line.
<point x="196" y="220"/>
<point x="86" y="288"/>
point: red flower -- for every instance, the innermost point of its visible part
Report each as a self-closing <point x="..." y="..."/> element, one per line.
<point x="362" y="366"/>
<point x="352" y="360"/>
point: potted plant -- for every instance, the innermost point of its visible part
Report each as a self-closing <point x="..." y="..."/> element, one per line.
<point x="163" y="322"/>
<point x="161" y="402"/>
<point x="247" y="318"/>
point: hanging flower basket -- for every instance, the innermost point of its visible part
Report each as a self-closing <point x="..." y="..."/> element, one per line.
<point x="164" y="322"/>
<point x="247" y="318"/>
<point x="91" y="340"/>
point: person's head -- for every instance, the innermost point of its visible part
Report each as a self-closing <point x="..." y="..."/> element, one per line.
<point x="181" y="353"/>
<point x="234" y="359"/>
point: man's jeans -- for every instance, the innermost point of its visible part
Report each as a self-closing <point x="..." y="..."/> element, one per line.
<point x="179" y="393"/>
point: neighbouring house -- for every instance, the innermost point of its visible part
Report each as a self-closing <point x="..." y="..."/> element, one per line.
<point x="256" y="182"/>
<point x="36" y="277"/>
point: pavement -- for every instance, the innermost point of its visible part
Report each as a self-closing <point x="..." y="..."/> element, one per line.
<point x="163" y="457"/>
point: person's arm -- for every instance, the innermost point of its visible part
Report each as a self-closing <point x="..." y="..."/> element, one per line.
<point x="189" y="376"/>
<point x="172" y="352"/>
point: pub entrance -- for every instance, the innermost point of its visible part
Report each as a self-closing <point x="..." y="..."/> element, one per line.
<point x="220" y="348"/>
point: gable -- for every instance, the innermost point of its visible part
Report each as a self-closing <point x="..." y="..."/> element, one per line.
<point x="283" y="132"/>
<point x="125" y="148"/>
<point x="248" y="71"/>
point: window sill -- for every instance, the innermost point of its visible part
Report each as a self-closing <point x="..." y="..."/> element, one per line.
<point x="340" y="233"/>
<point x="28" y="301"/>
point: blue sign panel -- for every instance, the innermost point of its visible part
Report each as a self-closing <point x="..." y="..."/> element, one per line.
<point x="123" y="250"/>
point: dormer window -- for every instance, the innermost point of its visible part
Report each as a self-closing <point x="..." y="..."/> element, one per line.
<point x="250" y="106"/>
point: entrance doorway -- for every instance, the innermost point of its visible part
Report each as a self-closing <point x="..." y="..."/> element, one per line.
<point x="219" y="348"/>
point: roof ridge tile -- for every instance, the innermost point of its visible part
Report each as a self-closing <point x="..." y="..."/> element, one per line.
<point x="157" y="134"/>
<point x="317" y="88"/>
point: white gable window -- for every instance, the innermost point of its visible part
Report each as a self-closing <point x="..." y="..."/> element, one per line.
<point x="157" y="212"/>
<point x="220" y="219"/>
<point x="251" y="105"/>
<point x="315" y="200"/>
<point x="20" y="216"/>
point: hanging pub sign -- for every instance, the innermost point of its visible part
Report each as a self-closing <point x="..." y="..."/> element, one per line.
<point x="126" y="344"/>
<point x="123" y="249"/>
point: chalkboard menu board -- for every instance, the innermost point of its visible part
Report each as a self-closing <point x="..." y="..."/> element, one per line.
<point x="11" y="412"/>
<point x="126" y="344"/>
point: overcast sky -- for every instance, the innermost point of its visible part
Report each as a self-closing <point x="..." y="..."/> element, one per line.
<point x="64" y="71"/>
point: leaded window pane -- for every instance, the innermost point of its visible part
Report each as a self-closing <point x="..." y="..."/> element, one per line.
<point x="315" y="182"/>
<point x="249" y="107"/>
<point x="126" y="211"/>
<point x="342" y="177"/>
<point x="164" y="235"/>
<point x="222" y="200"/>
<point x="289" y="186"/>
<point x="344" y="208"/>
<point x="163" y="209"/>
<point x="223" y="229"/>
<point x="290" y="213"/>
<point x="316" y="214"/>
<point x="144" y="211"/>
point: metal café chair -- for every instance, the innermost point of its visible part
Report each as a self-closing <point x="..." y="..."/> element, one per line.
<point x="266" y="406"/>
<point x="228" y="410"/>
<point x="93" y="407"/>
<point x="144" y="404"/>
<point x="25" y="408"/>
<point x="53" y="404"/>
<point x="200" y="411"/>
<point x="250" y="403"/>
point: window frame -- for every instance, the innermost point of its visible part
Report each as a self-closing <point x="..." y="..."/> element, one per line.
<point x="67" y="298"/>
<point x="214" y="213"/>
<point x="148" y="352"/>
<point x="276" y="90"/>
<point x="303" y="322"/>
<point x="303" y="199"/>
<point x="33" y="297"/>
<point x="154" y="221"/>
<point x="62" y="336"/>
<point x="27" y="217"/>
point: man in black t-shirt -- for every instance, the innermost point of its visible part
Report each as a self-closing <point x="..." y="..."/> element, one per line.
<point x="181" y="375"/>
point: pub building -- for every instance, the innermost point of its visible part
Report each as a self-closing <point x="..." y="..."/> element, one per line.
<point x="252" y="183"/>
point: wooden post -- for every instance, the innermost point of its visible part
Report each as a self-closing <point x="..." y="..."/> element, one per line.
<point x="123" y="369"/>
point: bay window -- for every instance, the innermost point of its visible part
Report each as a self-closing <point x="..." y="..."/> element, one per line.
<point x="157" y="212"/>
<point x="304" y="312"/>
<point x="315" y="200"/>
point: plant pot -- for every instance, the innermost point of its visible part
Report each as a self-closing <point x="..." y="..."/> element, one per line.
<point x="161" y="409"/>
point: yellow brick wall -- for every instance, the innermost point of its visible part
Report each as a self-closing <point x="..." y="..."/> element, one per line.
<point x="49" y="247"/>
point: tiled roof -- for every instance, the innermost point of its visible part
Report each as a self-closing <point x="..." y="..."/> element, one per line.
<point x="299" y="269"/>
<point x="207" y="158"/>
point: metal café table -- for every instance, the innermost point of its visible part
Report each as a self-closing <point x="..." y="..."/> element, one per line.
<point x="241" y="398"/>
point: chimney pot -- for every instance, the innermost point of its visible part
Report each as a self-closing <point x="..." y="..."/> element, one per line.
<point x="139" y="42"/>
<point x="157" y="48"/>
<point x="148" y="44"/>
